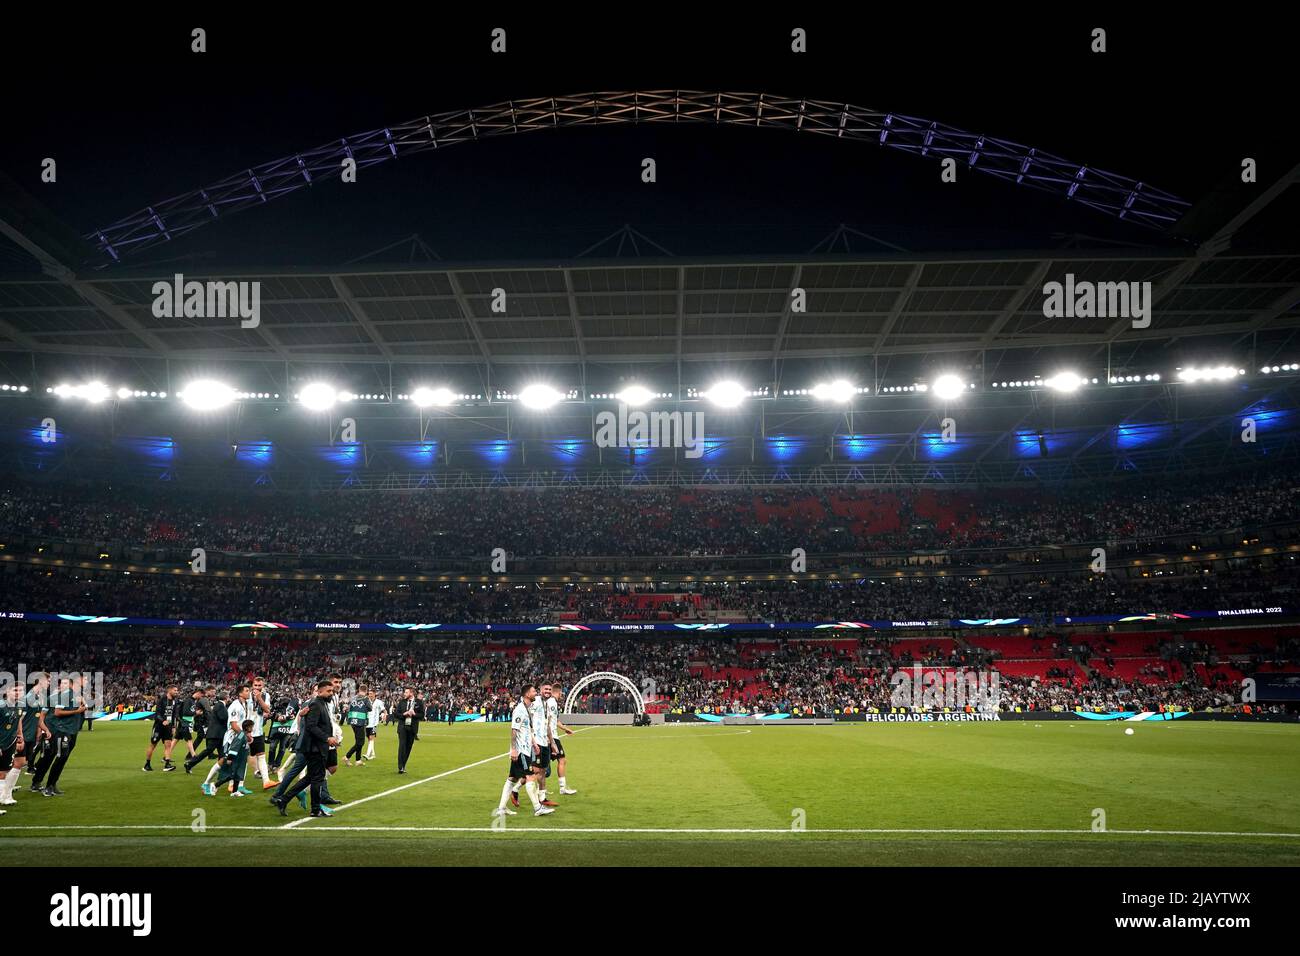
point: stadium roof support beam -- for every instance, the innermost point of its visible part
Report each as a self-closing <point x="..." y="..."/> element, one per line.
<point x="1276" y="309"/>
<point x="900" y="303"/>
<point x="913" y="438"/>
<point x="1010" y="432"/>
<point x="19" y="337"/>
<point x="1216" y="244"/>
<point x="1011" y="162"/>
<point x="358" y="312"/>
<point x="784" y="324"/>
<point x="53" y="267"/>
<point x="681" y="324"/>
<point x="462" y="300"/>
<point x="1032" y="284"/>
<point x="577" y="329"/>
<point x="1211" y="423"/>
<point x="1103" y="432"/>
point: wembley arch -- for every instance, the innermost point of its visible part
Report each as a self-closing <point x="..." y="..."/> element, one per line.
<point x="608" y="676"/>
<point x="1108" y="193"/>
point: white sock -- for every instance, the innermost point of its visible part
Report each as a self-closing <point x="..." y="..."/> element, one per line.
<point x="542" y="793"/>
<point x="212" y="773"/>
<point x="9" y="782"/>
<point x="562" y="783"/>
<point x="531" y="788"/>
<point x="516" y="786"/>
<point x="505" y="796"/>
<point x="261" y="765"/>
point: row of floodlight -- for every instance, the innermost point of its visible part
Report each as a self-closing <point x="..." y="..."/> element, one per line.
<point x="209" y="394"/>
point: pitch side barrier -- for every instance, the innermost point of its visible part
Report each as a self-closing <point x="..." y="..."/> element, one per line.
<point x="918" y="717"/>
<point x="675" y="627"/>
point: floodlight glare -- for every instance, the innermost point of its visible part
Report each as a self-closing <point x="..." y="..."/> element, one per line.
<point x="1220" y="373"/>
<point x="205" y="395"/>
<point x="539" y="396"/>
<point x="635" y="395"/>
<point x="726" y="394"/>
<point x="424" y="397"/>
<point x="1065" y="382"/>
<point x="93" y="392"/>
<point x="318" y="396"/>
<point x="949" y="387"/>
<point x="836" y="391"/>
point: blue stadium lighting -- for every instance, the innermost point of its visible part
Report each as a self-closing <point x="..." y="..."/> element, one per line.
<point x="783" y="449"/>
<point x="159" y="451"/>
<point x="1267" y="419"/>
<point x="567" y="450"/>
<point x="496" y="452"/>
<point x="712" y="446"/>
<point x="856" y="447"/>
<point x="256" y="453"/>
<point x="348" y="456"/>
<point x="1135" y="436"/>
<point x="933" y="446"/>
<point x="420" y="455"/>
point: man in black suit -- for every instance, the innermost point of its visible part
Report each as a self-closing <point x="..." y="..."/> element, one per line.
<point x="315" y="738"/>
<point x="408" y="713"/>
<point x="215" y="729"/>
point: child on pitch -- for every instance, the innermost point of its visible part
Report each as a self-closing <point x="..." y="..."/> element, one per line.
<point x="233" y="762"/>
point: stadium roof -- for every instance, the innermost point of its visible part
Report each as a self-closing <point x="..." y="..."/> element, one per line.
<point x="660" y="310"/>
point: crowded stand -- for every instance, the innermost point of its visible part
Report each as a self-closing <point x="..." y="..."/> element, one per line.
<point x="42" y="589"/>
<point x="474" y="676"/>
<point x="460" y="675"/>
<point x="585" y="523"/>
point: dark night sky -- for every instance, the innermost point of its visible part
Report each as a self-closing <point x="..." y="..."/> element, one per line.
<point x="133" y="118"/>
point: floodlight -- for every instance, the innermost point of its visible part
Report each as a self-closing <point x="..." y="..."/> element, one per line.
<point x="425" y="397"/>
<point x="206" y="395"/>
<point x="949" y="387"/>
<point x="836" y="391"/>
<point x="726" y="394"/>
<point x="1065" y="382"/>
<point x="635" y="395"/>
<point x="318" y="396"/>
<point x="539" y="396"/>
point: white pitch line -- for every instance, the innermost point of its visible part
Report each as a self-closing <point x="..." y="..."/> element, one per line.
<point x="692" y="830"/>
<point x="408" y="786"/>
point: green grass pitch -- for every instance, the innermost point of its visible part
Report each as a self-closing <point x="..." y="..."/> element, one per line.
<point x="1013" y="793"/>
